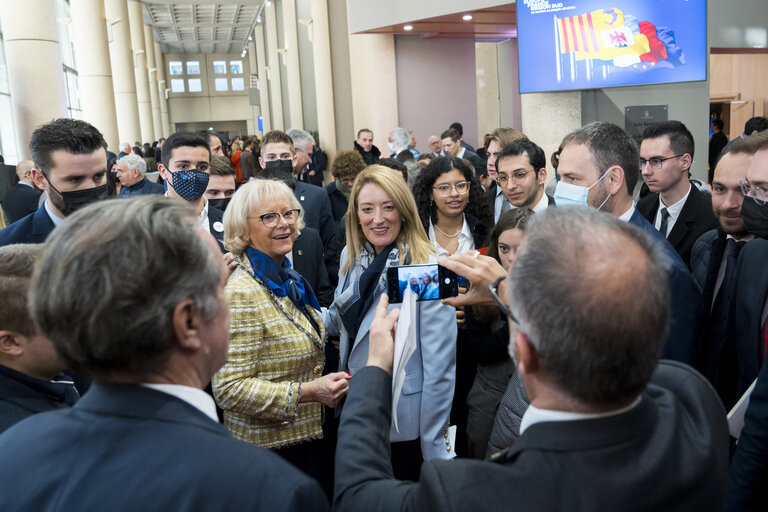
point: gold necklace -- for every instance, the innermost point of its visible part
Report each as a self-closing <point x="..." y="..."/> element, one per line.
<point x="446" y="234"/>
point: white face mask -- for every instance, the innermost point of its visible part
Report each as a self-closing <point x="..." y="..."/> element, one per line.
<point x="568" y="194"/>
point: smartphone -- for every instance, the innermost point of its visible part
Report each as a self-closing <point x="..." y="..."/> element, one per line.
<point x="429" y="282"/>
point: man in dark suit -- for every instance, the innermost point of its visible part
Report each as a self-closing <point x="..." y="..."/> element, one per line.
<point x="452" y="145"/>
<point x="131" y="171"/>
<point x="498" y="138"/>
<point x="714" y="260"/>
<point x="676" y="207"/>
<point x="22" y="199"/>
<point x="307" y="260"/>
<point x="587" y="348"/>
<point x="599" y="167"/>
<point x="70" y="158"/>
<point x="145" y="437"/>
<point x="280" y="160"/>
<point x="521" y="168"/>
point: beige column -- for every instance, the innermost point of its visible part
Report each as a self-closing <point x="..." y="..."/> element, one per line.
<point x="369" y="82"/>
<point x="291" y="40"/>
<point x="93" y="68"/>
<point x="140" y="70"/>
<point x="487" y="81"/>
<point x="261" y="67"/>
<point x="35" y="68"/>
<point x="539" y="109"/>
<point x="161" y="85"/>
<point x="124" y="82"/>
<point x="273" y="73"/>
<point x="252" y="65"/>
<point x="321" y="54"/>
<point x="149" y="44"/>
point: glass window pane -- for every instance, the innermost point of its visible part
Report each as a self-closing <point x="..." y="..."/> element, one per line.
<point x="195" y="85"/>
<point x="236" y="67"/>
<point x="221" y="84"/>
<point x="220" y="67"/>
<point x="177" y="85"/>
<point x="193" y="67"/>
<point x="238" y="84"/>
<point x="175" y="67"/>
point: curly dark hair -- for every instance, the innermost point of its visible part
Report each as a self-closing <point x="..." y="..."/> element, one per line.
<point x="347" y="163"/>
<point x="422" y="190"/>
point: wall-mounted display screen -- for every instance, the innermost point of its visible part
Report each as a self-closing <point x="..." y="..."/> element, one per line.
<point x="590" y="44"/>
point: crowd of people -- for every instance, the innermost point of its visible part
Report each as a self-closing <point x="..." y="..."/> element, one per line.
<point x="201" y="324"/>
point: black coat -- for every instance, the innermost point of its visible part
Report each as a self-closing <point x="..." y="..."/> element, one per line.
<point x="19" y="202"/>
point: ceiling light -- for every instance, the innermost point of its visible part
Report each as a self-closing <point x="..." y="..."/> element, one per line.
<point x="408" y="27"/>
<point x="467" y="17"/>
<point x="258" y="19"/>
<point x="269" y="3"/>
<point x="250" y="38"/>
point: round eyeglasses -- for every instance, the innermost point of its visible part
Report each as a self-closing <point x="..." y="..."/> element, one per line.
<point x="272" y="219"/>
<point x="445" y="189"/>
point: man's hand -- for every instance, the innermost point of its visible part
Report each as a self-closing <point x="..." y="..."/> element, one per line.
<point x="481" y="271"/>
<point x="381" y="339"/>
<point x="230" y="261"/>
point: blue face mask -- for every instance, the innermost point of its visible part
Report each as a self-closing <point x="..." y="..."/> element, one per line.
<point x="568" y="194"/>
<point x="190" y="184"/>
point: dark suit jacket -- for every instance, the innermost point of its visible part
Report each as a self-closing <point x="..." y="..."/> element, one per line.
<point x="670" y="452"/>
<point x="19" y="202"/>
<point x="685" y="306"/>
<point x="747" y="489"/>
<point x="21" y="396"/>
<point x="339" y="201"/>
<point x="308" y="261"/>
<point x="317" y="209"/>
<point x="747" y="307"/>
<point x="32" y="229"/>
<point x="696" y="218"/>
<point x="216" y="225"/>
<point x="127" y="447"/>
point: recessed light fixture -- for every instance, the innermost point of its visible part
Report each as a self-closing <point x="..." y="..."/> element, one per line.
<point x="258" y="19"/>
<point x="467" y="17"/>
<point x="408" y="27"/>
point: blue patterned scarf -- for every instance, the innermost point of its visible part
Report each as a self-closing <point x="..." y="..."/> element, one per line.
<point x="282" y="280"/>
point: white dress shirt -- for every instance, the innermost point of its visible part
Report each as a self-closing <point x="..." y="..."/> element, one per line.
<point x="533" y="415"/>
<point x="197" y="398"/>
<point x="54" y="218"/>
<point x="466" y="242"/>
<point x="673" y="210"/>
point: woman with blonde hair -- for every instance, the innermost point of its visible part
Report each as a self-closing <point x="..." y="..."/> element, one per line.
<point x="383" y="229"/>
<point x="271" y="388"/>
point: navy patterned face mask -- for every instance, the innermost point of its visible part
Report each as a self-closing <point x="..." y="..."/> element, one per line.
<point x="190" y="184"/>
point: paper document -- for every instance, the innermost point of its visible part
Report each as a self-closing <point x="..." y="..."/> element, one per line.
<point x="736" y="415"/>
<point x="405" y="345"/>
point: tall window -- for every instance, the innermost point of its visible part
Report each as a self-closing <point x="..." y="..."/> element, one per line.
<point x="68" y="56"/>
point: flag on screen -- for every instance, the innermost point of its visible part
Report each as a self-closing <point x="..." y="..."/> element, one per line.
<point x="601" y="35"/>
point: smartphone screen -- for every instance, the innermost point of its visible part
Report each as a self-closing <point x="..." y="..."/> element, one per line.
<point x="428" y="282"/>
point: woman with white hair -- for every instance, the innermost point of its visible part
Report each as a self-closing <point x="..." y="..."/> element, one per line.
<point x="272" y="389"/>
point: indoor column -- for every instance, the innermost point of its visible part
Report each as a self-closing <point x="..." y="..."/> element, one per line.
<point x="291" y="44"/>
<point x="93" y="68"/>
<point x="261" y="66"/>
<point x="149" y="44"/>
<point x="321" y="53"/>
<point x="123" y="80"/>
<point x="273" y="73"/>
<point x="35" y="67"/>
<point x="136" y="19"/>
<point x="161" y="85"/>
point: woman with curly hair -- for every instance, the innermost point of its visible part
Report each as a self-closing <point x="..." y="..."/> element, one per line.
<point x="452" y="206"/>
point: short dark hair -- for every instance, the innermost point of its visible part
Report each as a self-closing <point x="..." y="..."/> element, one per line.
<point x="536" y="155"/>
<point x="404" y="156"/>
<point x="597" y="344"/>
<point x="609" y="145"/>
<point x="394" y="164"/>
<point x="457" y="126"/>
<point x="71" y="135"/>
<point x="718" y="123"/>
<point x="680" y="139"/>
<point x="450" y="133"/>
<point x="513" y="219"/>
<point x="221" y="166"/>
<point x="363" y="130"/>
<point x="756" y="124"/>
<point x="183" y="139"/>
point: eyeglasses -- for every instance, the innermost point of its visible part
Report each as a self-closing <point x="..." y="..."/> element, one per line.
<point x="494" y="289"/>
<point x="347" y="182"/>
<point x="444" y="189"/>
<point x="657" y="161"/>
<point x="516" y="177"/>
<point x="758" y="194"/>
<point x="272" y="219"/>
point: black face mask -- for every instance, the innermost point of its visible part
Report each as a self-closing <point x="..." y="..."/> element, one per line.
<point x="220" y="204"/>
<point x="69" y="202"/>
<point x="279" y="170"/>
<point x="755" y="217"/>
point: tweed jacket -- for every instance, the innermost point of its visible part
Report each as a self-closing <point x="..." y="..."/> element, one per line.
<point x="273" y="348"/>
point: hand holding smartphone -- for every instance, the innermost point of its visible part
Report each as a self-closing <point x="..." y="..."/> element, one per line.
<point x="428" y="282"/>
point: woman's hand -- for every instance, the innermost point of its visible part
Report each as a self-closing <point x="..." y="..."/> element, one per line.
<point x="328" y="389"/>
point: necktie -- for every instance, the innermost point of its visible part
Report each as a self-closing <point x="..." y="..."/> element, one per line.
<point x="664" y="219"/>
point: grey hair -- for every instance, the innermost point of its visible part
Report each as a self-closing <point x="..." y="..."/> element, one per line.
<point x="300" y="138"/>
<point x="573" y="290"/>
<point x="401" y="139"/>
<point x="134" y="161"/>
<point x="609" y="145"/>
<point x="246" y="199"/>
<point x="126" y="145"/>
<point x="106" y="323"/>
